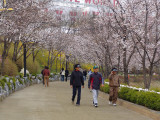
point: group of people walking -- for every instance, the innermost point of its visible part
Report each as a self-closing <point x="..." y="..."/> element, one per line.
<point x="95" y="81"/>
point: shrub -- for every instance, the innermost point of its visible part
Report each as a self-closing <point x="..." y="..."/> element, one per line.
<point x="33" y="67"/>
<point x="4" y="79"/>
<point x="20" y="81"/>
<point x="123" y="93"/>
<point x="147" y="99"/>
<point x="40" y="78"/>
<point x="19" y="64"/>
<point x="6" y="76"/>
<point x="10" y="68"/>
<point x="21" y="75"/>
<point x="27" y="75"/>
<point x="30" y="80"/>
<point x="9" y="85"/>
<point x="2" y="84"/>
<point x="106" y="80"/>
<point x="14" y="82"/>
<point x="105" y="88"/>
<point x="140" y="99"/>
<point x="34" y="74"/>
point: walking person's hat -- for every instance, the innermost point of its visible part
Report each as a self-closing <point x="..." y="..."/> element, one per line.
<point x="95" y="67"/>
<point x="77" y="66"/>
<point x="115" y="70"/>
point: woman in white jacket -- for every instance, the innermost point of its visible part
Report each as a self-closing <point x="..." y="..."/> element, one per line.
<point x="62" y="74"/>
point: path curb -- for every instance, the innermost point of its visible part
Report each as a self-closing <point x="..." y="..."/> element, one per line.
<point x="137" y="108"/>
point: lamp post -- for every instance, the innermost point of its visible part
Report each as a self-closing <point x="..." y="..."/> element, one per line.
<point x="25" y="57"/>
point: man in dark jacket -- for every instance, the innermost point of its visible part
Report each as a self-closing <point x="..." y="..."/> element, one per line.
<point x="75" y="82"/>
<point x="84" y="74"/>
<point x="66" y="74"/>
<point x="94" y="82"/>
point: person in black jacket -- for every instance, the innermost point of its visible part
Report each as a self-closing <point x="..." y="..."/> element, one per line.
<point x="76" y="82"/>
<point x="84" y="74"/>
<point x="66" y="74"/>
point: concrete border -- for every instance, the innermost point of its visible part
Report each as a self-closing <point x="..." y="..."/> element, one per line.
<point x="155" y="115"/>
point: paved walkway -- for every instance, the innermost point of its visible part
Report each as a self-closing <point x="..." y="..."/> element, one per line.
<point x="54" y="103"/>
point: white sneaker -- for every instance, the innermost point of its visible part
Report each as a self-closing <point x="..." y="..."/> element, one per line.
<point x="96" y="105"/>
<point x="110" y="102"/>
<point x="114" y="104"/>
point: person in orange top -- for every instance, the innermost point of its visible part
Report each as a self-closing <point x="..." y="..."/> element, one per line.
<point x="46" y="74"/>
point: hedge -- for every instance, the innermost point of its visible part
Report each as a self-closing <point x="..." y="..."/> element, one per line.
<point x="10" y="68"/>
<point x="148" y="99"/>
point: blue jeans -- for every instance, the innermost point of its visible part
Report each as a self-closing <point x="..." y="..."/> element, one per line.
<point x="62" y="77"/>
<point x="84" y="77"/>
<point x="75" y="89"/>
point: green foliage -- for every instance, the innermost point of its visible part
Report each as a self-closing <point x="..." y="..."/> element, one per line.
<point x="20" y="75"/>
<point x="19" y="64"/>
<point x="147" y="99"/>
<point x="9" y="85"/>
<point x="106" y="80"/>
<point x="40" y="78"/>
<point x="87" y="66"/>
<point x="4" y="79"/>
<point x="33" y="67"/>
<point x="27" y="75"/>
<point x="128" y="94"/>
<point x="20" y="81"/>
<point x="105" y="88"/>
<point x="14" y="82"/>
<point x="2" y="84"/>
<point x="34" y="74"/>
<point x="30" y="80"/>
<point x="6" y="76"/>
<point x="156" y="89"/>
<point x="10" y="68"/>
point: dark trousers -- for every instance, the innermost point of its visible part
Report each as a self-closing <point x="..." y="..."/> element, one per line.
<point x="75" y="89"/>
<point x="66" y="78"/>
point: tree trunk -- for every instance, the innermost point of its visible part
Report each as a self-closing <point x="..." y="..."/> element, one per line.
<point x="125" y="67"/>
<point x="14" y="58"/>
<point x="4" y="54"/>
<point x="49" y="58"/>
<point x="150" y="76"/>
<point x="33" y="55"/>
<point x="144" y="69"/>
<point x="107" y="66"/>
<point x="119" y="60"/>
<point x="60" y="62"/>
<point x="56" y="64"/>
